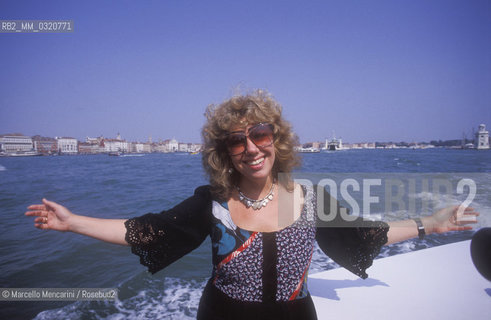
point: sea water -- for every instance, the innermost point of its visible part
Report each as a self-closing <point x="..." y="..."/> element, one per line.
<point x="124" y="187"/>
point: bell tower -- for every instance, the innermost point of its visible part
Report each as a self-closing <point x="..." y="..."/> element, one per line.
<point x="482" y="138"/>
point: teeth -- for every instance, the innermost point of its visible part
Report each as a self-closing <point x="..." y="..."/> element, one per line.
<point x="258" y="161"/>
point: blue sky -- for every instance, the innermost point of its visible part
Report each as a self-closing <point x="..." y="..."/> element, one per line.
<point x="369" y="70"/>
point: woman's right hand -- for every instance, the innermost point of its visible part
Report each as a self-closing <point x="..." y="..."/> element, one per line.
<point x="53" y="216"/>
<point x="50" y="216"/>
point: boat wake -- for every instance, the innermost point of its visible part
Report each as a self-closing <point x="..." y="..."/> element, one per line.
<point x="132" y="155"/>
<point x="168" y="298"/>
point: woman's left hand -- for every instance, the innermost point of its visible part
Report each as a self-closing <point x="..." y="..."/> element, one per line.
<point x="452" y="219"/>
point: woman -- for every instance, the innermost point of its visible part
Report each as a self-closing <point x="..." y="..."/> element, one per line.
<point x="262" y="225"/>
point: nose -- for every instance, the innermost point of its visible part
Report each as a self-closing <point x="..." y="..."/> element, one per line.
<point x="251" y="148"/>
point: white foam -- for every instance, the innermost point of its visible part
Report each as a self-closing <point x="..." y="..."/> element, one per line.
<point x="2" y="168"/>
<point x="178" y="299"/>
<point x="425" y="195"/>
<point x="132" y="155"/>
<point x="435" y="200"/>
<point x="171" y="298"/>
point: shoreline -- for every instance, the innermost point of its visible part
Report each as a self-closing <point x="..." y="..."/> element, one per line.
<point x="123" y="154"/>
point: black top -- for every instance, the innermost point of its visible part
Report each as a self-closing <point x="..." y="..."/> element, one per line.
<point x="258" y="272"/>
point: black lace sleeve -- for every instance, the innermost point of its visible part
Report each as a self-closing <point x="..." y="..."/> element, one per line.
<point x="354" y="244"/>
<point x="160" y="239"/>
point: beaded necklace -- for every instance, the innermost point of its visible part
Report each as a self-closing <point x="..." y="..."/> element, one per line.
<point x="256" y="204"/>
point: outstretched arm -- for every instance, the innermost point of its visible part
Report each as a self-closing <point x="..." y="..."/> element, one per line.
<point x="53" y="216"/>
<point x="444" y="220"/>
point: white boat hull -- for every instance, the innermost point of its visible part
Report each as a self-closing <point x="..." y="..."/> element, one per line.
<point x="435" y="283"/>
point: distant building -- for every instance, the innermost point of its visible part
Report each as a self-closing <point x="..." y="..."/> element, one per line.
<point x="159" y="147"/>
<point x="116" y="145"/>
<point x="91" y="146"/>
<point x="141" y="147"/>
<point x="183" y="147"/>
<point x="482" y="138"/>
<point x="171" y="145"/>
<point x="16" y="143"/>
<point x="391" y="146"/>
<point x="362" y="145"/>
<point x="97" y="140"/>
<point x="195" y="147"/>
<point x="67" y="145"/>
<point x="45" y="145"/>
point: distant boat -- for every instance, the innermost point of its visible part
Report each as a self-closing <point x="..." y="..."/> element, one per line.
<point x="194" y="152"/>
<point x="114" y="153"/>
<point x="21" y="154"/>
<point x="132" y="155"/>
<point x="334" y="144"/>
<point x="308" y="150"/>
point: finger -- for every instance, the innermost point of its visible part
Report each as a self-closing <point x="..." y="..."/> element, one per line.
<point x="466" y="222"/>
<point x="51" y="205"/>
<point x="467" y="218"/>
<point x="462" y="228"/>
<point x="41" y="220"/>
<point x="42" y="226"/>
<point x="48" y="203"/>
<point x="471" y="213"/>
<point x="37" y="207"/>
<point x="462" y="210"/>
<point x="38" y="213"/>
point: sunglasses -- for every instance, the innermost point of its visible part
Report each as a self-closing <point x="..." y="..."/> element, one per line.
<point x="260" y="134"/>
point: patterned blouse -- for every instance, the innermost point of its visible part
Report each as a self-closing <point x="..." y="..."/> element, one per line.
<point x="252" y="270"/>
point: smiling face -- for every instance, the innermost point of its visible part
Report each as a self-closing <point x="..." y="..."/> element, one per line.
<point x="240" y="112"/>
<point x="257" y="160"/>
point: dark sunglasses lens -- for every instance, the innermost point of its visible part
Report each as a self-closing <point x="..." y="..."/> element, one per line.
<point x="235" y="143"/>
<point x="262" y="135"/>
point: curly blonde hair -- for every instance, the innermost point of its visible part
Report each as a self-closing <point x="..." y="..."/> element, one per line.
<point x="241" y="110"/>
